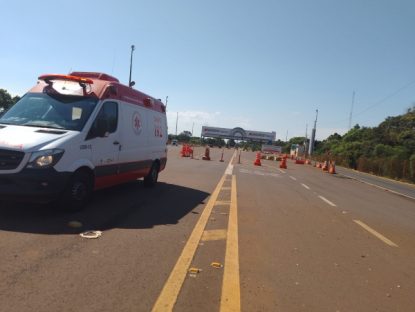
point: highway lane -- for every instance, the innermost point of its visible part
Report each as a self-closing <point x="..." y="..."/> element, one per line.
<point x="405" y="189"/>
<point x="257" y="239"/>
<point x="393" y="213"/>
<point x="302" y="251"/>
<point x="46" y="266"/>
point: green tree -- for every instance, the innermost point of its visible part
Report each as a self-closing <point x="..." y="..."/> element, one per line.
<point x="6" y="100"/>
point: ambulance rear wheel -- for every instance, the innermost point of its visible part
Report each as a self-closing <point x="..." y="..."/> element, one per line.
<point x="151" y="179"/>
<point x="78" y="192"/>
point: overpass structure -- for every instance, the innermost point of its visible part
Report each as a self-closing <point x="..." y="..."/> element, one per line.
<point x="237" y="134"/>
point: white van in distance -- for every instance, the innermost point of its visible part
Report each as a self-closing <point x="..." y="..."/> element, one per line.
<point x="72" y="134"/>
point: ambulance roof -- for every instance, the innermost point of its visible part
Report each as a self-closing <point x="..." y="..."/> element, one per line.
<point x="103" y="86"/>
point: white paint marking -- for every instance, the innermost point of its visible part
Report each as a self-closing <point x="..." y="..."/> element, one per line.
<point x="327" y="201"/>
<point x="306" y="186"/>
<point x="229" y="169"/>
<point x="377" y="234"/>
<point x="282" y="171"/>
<point x="292" y="178"/>
<point x="378" y="186"/>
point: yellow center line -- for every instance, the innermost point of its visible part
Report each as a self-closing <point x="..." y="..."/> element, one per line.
<point x="171" y="289"/>
<point x="231" y="295"/>
<point x="377" y="234"/>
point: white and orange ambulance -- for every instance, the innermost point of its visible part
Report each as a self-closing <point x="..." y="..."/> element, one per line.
<point x="72" y="134"/>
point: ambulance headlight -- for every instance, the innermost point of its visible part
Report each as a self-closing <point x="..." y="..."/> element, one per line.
<point x="45" y="159"/>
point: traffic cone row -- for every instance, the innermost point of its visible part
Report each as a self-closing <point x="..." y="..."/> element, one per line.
<point x="326" y="166"/>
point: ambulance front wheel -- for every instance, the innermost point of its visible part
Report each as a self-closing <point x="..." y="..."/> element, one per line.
<point x="78" y="192"/>
<point x="152" y="177"/>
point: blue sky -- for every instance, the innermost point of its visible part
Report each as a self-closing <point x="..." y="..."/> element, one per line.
<point x="261" y="65"/>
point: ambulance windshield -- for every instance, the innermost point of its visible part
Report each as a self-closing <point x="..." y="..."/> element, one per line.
<point x="50" y="111"/>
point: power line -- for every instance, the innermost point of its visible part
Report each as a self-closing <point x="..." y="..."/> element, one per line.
<point x="381" y="101"/>
<point x="385" y="98"/>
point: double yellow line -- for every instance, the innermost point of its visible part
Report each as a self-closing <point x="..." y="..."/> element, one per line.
<point x="230" y="298"/>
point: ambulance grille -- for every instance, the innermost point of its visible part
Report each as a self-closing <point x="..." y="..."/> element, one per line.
<point x="10" y="160"/>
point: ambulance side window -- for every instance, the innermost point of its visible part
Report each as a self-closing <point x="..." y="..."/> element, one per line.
<point x="107" y="118"/>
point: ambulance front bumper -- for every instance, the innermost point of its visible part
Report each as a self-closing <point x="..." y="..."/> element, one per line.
<point x="33" y="185"/>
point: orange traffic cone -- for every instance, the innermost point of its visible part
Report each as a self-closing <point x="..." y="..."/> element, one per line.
<point x="325" y="166"/>
<point x="283" y="163"/>
<point x="258" y="159"/>
<point x="207" y="154"/>
<point x="182" y="152"/>
<point x="332" y="168"/>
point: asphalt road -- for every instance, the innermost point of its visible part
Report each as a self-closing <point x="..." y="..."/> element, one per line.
<point x="404" y="189"/>
<point x="254" y="239"/>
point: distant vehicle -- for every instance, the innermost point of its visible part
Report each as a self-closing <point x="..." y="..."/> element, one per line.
<point x="174" y="142"/>
<point x="72" y="134"/>
<point x="267" y="148"/>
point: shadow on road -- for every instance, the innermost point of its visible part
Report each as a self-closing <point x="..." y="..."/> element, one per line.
<point x="129" y="206"/>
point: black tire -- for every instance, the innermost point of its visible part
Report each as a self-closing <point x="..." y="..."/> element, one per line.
<point x="151" y="179"/>
<point x="78" y="192"/>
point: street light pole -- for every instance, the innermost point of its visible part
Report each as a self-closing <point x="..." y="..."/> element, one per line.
<point x="131" y="65"/>
<point x="177" y="119"/>
<point x="313" y="136"/>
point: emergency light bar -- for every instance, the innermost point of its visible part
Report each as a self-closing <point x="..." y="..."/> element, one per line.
<point x="55" y="81"/>
<point x="48" y="77"/>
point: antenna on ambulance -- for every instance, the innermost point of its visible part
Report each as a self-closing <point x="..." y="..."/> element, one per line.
<point x="131" y="83"/>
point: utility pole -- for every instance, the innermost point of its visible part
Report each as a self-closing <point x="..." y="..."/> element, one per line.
<point x="130" y="83"/>
<point x="313" y="136"/>
<point x="306" y="141"/>
<point x="192" y="128"/>
<point x="351" y="111"/>
<point x="177" y="119"/>
<point x="286" y="137"/>
<point x="167" y="98"/>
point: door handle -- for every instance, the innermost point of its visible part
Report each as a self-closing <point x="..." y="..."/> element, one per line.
<point x="116" y="143"/>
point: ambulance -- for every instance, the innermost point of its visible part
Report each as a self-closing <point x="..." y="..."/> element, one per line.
<point x="72" y="134"/>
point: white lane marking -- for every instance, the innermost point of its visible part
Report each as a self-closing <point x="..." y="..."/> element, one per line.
<point x="306" y="186"/>
<point x="282" y="171"/>
<point x="292" y="178"/>
<point x="375" y="233"/>
<point x="260" y="173"/>
<point x="378" y="186"/>
<point x="327" y="201"/>
<point x="229" y="169"/>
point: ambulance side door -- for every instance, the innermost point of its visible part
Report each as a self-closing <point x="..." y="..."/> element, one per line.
<point x="104" y="140"/>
